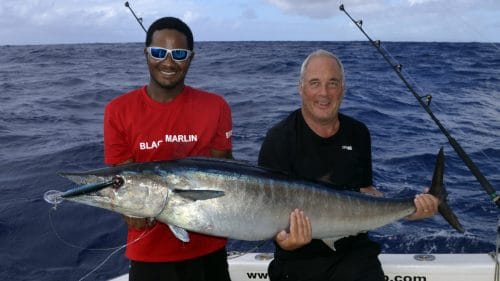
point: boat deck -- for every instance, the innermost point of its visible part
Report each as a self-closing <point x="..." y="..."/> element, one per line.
<point x="397" y="267"/>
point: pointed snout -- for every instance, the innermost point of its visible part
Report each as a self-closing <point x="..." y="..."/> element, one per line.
<point x="115" y="182"/>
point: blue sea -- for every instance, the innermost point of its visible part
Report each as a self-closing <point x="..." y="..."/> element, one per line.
<point x="51" y="111"/>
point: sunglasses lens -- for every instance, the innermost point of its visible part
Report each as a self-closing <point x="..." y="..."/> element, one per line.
<point x="179" y="54"/>
<point x="158" y="53"/>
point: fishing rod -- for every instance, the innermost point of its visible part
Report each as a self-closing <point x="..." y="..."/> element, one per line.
<point x="139" y="20"/>
<point x="425" y="102"/>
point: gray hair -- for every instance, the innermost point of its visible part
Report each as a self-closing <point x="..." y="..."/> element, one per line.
<point x="322" y="52"/>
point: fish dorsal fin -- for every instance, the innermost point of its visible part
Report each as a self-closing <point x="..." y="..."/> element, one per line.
<point x="179" y="233"/>
<point x="197" y="194"/>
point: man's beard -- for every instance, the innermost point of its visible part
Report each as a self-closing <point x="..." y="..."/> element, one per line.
<point x="169" y="86"/>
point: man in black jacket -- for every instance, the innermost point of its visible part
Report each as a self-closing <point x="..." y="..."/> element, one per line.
<point x="316" y="142"/>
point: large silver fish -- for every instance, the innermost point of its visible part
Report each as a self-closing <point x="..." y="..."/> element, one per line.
<point x="236" y="200"/>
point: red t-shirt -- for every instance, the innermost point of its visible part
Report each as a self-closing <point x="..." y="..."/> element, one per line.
<point x="137" y="127"/>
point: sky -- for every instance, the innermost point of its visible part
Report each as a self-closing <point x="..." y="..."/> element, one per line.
<point x="109" y="21"/>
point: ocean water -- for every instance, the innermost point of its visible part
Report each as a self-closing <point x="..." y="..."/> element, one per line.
<point x="51" y="110"/>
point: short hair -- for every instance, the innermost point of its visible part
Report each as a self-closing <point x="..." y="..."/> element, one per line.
<point x="321" y="52"/>
<point x="170" y="23"/>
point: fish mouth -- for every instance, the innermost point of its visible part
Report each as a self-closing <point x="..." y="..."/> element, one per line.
<point x="55" y="197"/>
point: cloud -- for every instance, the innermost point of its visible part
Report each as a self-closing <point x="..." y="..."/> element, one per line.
<point x="190" y="16"/>
<point x="74" y="21"/>
<point x="71" y="21"/>
<point x="249" y="14"/>
<point x="70" y="14"/>
<point x="417" y="2"/>
<point x="310" y="8"/>
<point x="321" y="9"/>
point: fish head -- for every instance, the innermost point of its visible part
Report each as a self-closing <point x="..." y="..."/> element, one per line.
<point x="139" y="194"/>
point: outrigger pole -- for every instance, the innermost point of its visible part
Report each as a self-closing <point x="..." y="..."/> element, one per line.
<point x="456" y="146"/>
<point x="139" y="20"/>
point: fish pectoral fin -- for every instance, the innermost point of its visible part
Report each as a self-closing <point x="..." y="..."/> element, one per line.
<point x="330" y="242"/>
<point x="198" y="194"/>
<point x="179" y="233"/>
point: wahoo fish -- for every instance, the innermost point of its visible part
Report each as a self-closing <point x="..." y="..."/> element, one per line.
<point x="232" y="199"/>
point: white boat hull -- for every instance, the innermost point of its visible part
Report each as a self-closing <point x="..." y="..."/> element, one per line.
<point x="397" y="267"/>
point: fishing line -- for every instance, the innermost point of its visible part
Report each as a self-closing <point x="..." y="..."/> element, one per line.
<point x="93" y="249"/>
<point x="424" y="101"/>
<point x="69" y="244"/>
<point x="56" y="197"/>
<point x="117" y="249"/>
<point x="143" y="234"/>
<point x="470" y="25"/>
<point x="101" y="264"/>
<point x="467" y="23"/>
<point x="435" y="103"/>
<point x="237" y="254"/>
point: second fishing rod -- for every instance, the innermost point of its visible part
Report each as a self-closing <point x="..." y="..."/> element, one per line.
<point x="424" y="101"/>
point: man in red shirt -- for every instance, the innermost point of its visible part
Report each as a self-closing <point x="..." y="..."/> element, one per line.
<point x="168" y="120"/>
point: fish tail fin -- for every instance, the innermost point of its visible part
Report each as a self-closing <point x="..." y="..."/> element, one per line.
<point x="437" y="189"/>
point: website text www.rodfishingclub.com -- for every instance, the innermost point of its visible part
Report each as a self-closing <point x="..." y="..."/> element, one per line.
<point x="263" y="276"/>
<point x="405" y="278"/>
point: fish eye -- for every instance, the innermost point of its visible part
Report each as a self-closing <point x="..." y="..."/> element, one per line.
<point x="118" y="181"/>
